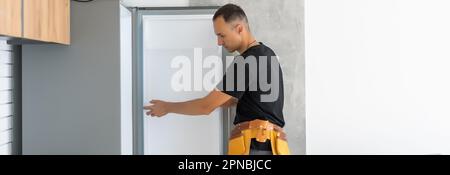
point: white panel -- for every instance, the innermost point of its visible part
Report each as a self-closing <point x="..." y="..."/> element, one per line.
<point x="6" y="149"/>
<point x="5" y="70"/>
<point x="163" y="40"/>
<point x="5" y="57"/>
<point x="155" y="3"/>
<point x="377" y="77"/>
<point x="5" y="110"/>
<point x="126" y="81"/>
<point x="5" y="137"/>
<point x="5" y="97"/>
<point x="5" y="83"/>
<point x="4" y="46"/>
<point x="5" y="123"/>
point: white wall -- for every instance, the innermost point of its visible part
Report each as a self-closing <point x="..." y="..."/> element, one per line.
<point x="377" y="76"/>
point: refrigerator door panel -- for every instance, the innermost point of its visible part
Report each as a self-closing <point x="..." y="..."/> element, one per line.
<point x="175" y="48"/>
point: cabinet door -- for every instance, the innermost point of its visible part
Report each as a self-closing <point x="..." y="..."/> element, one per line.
<point x="11" y="18"/>
<point x="59" y="21"/>
<point x="35" y="19"/>
<point x="47" y="20"/>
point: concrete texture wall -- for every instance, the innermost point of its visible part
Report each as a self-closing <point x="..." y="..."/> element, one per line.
<point x="71" y="94"/>
<point x="280" y="25"/>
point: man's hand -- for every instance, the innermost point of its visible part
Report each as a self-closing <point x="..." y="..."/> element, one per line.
<point x="157" y="108"/>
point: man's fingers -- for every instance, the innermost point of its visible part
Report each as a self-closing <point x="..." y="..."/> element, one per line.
<point x="151" y="103"/>
<point x="149" y="107"/>
<point x="154" y="101"/>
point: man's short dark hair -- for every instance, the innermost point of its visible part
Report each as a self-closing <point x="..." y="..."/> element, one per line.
<point x="230" y="12"/>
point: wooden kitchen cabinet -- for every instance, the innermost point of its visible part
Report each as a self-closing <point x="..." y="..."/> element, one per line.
<point x="11" y="18"/>
<point x="47" y="20"/>
<point x="59" y="21"/>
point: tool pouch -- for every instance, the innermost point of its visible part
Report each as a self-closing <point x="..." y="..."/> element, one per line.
<point x="236" y="145"/>
<point x="282" y="147"/>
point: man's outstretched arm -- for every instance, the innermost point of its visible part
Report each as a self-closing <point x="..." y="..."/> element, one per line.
<point x="201" y="106"/>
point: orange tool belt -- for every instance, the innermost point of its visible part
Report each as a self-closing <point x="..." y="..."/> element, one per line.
<point x="261" y="130"/>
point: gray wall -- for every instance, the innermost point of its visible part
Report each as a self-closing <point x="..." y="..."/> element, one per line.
<point x="71" y="94"/>
<point x="280" y="25"/>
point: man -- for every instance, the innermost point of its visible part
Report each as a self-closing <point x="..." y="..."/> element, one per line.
<point x="258" y="122"/>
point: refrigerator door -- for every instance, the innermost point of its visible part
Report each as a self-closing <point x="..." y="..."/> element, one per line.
<point x="175" y="51"/>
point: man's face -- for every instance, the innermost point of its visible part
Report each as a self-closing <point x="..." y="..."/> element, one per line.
<point x="228" y="34"/>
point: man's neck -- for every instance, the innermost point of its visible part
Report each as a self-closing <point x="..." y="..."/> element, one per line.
<point x="251" y="41"/>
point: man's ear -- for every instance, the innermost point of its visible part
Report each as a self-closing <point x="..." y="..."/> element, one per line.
<point x="240" y="28"/>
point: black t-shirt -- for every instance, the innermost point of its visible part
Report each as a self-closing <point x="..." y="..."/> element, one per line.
<point x="251" y="101"/>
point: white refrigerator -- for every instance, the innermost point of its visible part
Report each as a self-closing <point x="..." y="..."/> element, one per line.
<point x="179" y="55"/>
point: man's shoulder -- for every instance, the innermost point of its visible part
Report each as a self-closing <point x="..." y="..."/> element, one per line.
<point x="260" y="50"/>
